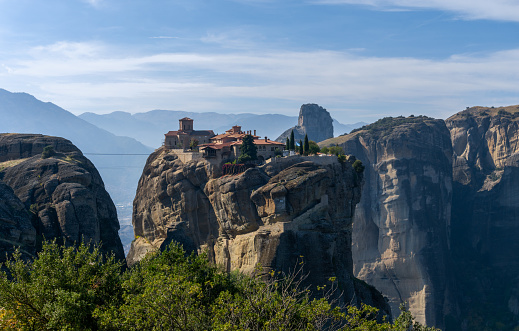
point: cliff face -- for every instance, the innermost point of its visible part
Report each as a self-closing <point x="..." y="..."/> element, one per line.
<point x="401" y="225"/>
<point x="314" y="121"/>
<point x="16" y="229"/>
<point x="485" y="218"/>
<point x="63" y="194"/>
<point x="275" y="215"/>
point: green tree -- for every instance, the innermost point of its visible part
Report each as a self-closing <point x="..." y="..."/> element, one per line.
<point x="248" y="150"/>
<point x="313" y="147"/>
<point x="292" y="141"/>
<point x="169" y="291"/>
<point x="306" y="146"/>
<point x="193" y="144"/>
<point x="325" y="150"/>
<point x="301" y="151"/>
<point x="287" y="145"/>
<point x="358" y="166"/>
<point x="337" y="150"/>
<point x="61" y="288"/>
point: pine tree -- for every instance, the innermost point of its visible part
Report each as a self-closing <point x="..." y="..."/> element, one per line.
<point x="306" y="147"/>
<point x="292" y="141"/>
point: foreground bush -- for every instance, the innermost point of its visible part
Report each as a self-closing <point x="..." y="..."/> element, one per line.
<point x="75" y="288"/>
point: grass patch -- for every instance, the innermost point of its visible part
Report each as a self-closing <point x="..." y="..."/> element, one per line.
<point x="10" y="163"/>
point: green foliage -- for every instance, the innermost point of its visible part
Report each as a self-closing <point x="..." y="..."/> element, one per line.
<point x="48" y="151"/>
<point x="325" y="150"/>
<point x="278" y="152"/>
<point x="193" y="144"/>
<point x="292" y="146"/>
<point x="335" y="150"/>
<point x="76" y="289"/>
<point x="313" y="148"/>
<point x="301" y="148"/>
<point x="60" y="289"/>
<point x="249" y="151"/>
<point x="168" y="291"/>
<point x="306" y="146"/>
<point x="287" y="144"/>
<point x="341" y="158"/>
<point x="358" y="166"/>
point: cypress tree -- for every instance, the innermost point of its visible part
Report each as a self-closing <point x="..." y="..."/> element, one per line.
<point x="301" y="147"/>
<point x="249" y="151"/>
<point x="287" y="147"/>
<point x="292" y="141"/>
<point x="306" y="148"/>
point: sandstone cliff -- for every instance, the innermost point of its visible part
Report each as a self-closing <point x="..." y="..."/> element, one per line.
<point x="63" y="194"/>
<point x="401" y="225"/>
<point x="485" y="218"/>
<point x="274" y="215"/>
<point x="314" y="121"/>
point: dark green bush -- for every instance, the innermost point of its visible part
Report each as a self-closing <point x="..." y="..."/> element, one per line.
<point x="48" y="151"/>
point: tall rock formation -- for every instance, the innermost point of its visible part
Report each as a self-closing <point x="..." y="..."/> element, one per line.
<point x="274" y="215"/>
<point x="314" y="121"/>
<point x="485" y="218"/>
<point x="401" y="225"/>
<point x="16" y="229"/>
<point x="63" y="194"/>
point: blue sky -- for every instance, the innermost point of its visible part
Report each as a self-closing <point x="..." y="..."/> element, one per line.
<point x="360" y="59"/>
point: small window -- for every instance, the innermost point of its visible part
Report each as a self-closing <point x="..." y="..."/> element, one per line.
<point x="272" y="148"/>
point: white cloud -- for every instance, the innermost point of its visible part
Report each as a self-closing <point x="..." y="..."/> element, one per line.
<point x="95" y="77"/>
<point x="506" y="10"/>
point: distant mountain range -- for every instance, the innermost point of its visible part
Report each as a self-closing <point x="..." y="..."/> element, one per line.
<point x="119" y="143"/>
<point x="150" y="127"/>
<point x="23" y="113"/>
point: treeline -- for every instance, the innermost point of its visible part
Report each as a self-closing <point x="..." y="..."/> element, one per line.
<point x="76" y="288"/>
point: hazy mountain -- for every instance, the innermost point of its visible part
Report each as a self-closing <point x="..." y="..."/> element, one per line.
<point x="340" y="129"/>
<point x="23" y="113"/>
<point x="150" y="127"/>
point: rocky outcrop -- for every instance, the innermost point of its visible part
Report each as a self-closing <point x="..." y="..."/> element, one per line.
<point x="16" y="229"/>
<point x="485" y="217"/>
<point x="63" y="194"/>
<point x="276" y="215"/>
<point x="314" y="121"/>
<point x="401" y="225"/>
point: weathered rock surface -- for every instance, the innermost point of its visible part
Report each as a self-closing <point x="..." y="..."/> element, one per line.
<point x="485" y="217"/>
<point x="274" y="215"/>
<point x="16" y="229"/>
<point x="314" y="121"/>
<point x="64" y="194"/>
<point x="401" y="225"/>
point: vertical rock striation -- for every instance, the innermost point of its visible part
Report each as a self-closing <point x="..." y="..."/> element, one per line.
<point x="485" y="218"/>
<point x="401" y="225"/>
<point x="63" y="194"/>
<point x="274" y="215"/>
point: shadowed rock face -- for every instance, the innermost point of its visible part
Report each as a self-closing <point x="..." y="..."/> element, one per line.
<point x="485" y="218"/>
<point x="400" y="228"/>
<point x="274" y="215"/>
<point x="314" y="121"/>
<point x="16" y="229"/>
<point x="64" y="194"/>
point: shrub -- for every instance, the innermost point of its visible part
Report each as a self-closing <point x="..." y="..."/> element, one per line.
<point x="358" y="166"/>
<point x="48" y="151"/>
<point x="60" y="289"/>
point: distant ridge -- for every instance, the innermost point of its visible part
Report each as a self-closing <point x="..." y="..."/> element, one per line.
<point x="149" y="127"/>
